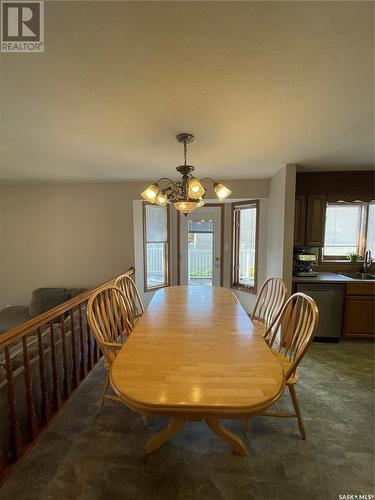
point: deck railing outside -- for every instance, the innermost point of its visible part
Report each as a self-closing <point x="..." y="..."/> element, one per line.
<point x="200" y="263"/>
<point x="340" y="250"/>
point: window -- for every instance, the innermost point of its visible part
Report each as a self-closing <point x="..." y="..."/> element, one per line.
<point x="244" y="245"/>
<point x="349" y="228"/>
<point x="371" y="228"/>
<point x="156" y="246"/>
<point x="200" y="251"/>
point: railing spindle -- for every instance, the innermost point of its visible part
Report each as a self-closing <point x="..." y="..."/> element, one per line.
<point x="56" y="371"/>
<point x="96" y="351"/>
<point x="46" y="403"/>
<point x="56" y="391"/>
<point x="32" y="420"/>
<point x="14" y="422"/>
<point x="67" y="382"/>
<point x="82" y="344"/>
<point x="89" y="344"/>
<point x="75" y="377"/>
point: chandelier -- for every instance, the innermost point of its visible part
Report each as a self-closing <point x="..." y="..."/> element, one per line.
<point x="186" y="194"/>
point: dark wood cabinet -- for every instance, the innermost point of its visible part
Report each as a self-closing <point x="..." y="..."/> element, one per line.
<point x="359" y="311"/>
<point x="359" y="317"/>
<point x="315" y="220"/>
<point x="300" y="221"/>
<point x="309" y="220"/>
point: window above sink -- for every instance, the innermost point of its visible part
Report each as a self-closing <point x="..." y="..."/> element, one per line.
<point x="349" y="229"/>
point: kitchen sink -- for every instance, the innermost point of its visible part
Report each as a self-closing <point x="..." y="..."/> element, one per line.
<point x="359" y="276"/>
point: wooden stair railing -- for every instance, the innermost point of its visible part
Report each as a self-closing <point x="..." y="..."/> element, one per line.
<point x="62" y="360"/>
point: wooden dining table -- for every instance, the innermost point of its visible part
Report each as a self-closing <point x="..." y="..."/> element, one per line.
<point x="195" y="355"/>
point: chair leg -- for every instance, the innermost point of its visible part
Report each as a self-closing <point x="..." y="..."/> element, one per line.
<point x="104" y="391"/>
<point x="293" y="395"/>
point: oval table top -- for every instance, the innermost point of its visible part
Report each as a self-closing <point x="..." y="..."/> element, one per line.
<point x="195" y="352"/>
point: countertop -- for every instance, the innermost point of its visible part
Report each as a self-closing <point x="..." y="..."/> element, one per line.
<point x="328" y="278"/>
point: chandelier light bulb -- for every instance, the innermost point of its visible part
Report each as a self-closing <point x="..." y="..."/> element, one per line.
<point x="222" y="192"/>
<point x="161" y="199"/>
<point x="195" y="190"/>
<point x="150" y="193"/>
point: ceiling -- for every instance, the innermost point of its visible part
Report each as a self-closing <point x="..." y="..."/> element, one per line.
<point x="260" y="84"/>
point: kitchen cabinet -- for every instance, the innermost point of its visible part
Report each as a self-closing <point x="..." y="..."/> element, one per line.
<point x="300" y="221"/>
<point x="359" y="311"/>
<point x="315" y="220"/>
<point x="309" y="220"/>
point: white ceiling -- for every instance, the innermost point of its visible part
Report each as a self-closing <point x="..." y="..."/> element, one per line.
<point x="260" y="84"/>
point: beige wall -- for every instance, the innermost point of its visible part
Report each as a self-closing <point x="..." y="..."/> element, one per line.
<point x="281" y="224"/>
<point x="64" y="235"/>
<point x="289" y="207"/>
<point x="73" y="234"/>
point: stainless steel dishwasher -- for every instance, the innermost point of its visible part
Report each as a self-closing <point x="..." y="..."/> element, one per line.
<point x="329" y="298"/>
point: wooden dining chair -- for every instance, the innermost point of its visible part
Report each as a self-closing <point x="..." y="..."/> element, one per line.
<point x="290" y="337"/>
<point x="269" y="303"/>
<point x="136" y="308"/>
<point x="107" y="315"/>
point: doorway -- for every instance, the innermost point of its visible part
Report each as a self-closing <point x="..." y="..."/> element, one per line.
<point x="201" y="247"/>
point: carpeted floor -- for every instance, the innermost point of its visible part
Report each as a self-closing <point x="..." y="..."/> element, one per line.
<point x="84" y="456"/>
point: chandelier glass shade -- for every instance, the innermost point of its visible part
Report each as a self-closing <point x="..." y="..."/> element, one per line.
<point x="186" y="194"/>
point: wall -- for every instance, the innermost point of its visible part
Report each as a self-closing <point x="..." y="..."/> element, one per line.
<point x="65" y="235"/>
<point x="280" y="226"/>
<point x="74" y="234"/>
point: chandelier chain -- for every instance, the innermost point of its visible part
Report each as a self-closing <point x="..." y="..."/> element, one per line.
<point x="185" y="152"/>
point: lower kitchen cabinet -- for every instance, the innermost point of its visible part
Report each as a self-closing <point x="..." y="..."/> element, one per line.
<point x="359" y="316"/>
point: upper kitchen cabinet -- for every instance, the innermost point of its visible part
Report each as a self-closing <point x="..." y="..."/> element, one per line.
<point x="309" y="220"/>
<point x="315" y="189"/>
<point x="300" y="221"/>
<point x="315" y="220"/>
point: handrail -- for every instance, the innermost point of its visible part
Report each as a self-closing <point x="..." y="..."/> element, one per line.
<point x="63" y="355"/>
<point x="19" y="331"/>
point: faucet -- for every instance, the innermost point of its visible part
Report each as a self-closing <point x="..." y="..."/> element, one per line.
<point x="367" y="261"/>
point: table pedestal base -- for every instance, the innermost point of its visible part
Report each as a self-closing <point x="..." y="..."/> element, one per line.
<point x="176" y="423"/>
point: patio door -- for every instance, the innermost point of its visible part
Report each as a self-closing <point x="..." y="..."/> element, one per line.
<point x="200" y="247"/>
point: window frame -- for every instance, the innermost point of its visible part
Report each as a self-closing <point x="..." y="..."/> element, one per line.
<point x="362" y="237"/>
<point x="167" y="250"/>
<point x="235" y="231"/>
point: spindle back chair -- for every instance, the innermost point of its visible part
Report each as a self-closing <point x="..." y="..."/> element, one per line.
<point x="269" y="303"/>
<point x="289" y="337"/>
<point x="136" y="308"/>
<point x="108" y="315"/>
